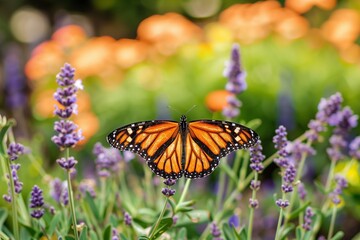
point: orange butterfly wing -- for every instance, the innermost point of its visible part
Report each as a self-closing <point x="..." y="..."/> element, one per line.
<point x="209" y="140"/>
<point x="158" y="142"/>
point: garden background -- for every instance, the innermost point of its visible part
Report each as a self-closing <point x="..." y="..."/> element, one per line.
<point x="144" y="60"/>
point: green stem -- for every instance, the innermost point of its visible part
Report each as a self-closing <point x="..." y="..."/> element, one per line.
<point x="13" y="201"/>
<point x="332" y="223"/>
<point x="294" y="193"/>
<point x="328" y="184"/>
<point x="3" y="236"/>
<point x="159" y="219"/>
<point x="230" y="199"/>
<point x="71" y="199"/>
<point x="252" y="209"/>
<point x="221" y="188"/>
<point x="183" y="194"/>
<point x="278" y="228"/>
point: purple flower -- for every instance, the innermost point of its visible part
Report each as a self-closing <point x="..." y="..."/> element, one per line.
<point x="253" y="203"/>
<point x="301" y="191"/>
<point x="344" y="120"/>
<point x="168" y="192"/>
<point x="67" y="135"/>
<point x="37" y="202"/>
<point x="234" y="221"/>
<point x="65" y="195"/>
<point x="341" y="183"/>
<point x="114" y="234"/>
<point x="280" y="138"/>
<point x="232" y="109"/>
<point x="17" y="184"/>
<point x="256" y="157"/>
<point x="328" y="108"/>
<point x="236" y="83"/>
<point x="107" y="160"/>
<point x="307" y="219"/>
<point x="282" y="203"/>
<point x="15" y="150"/>
<point x="127" y="219"/>
<point x="315" y="128"/>
<point x="87" y="186"/>
<point x="57" y="189"/>
<point x="255" y="185"/>
<point x="280" y="141"/>
<point x="288" y="179"/>
<point x="298" y="149"/>
<point x="169" y="182"/>
<point x="215" y="231"/>
<point x="337" y="143"/>
<point x="354" y="148"/>
<point x="15" y="81"/>
<point x="67" y="163"/>
<point x="234" y="73"/>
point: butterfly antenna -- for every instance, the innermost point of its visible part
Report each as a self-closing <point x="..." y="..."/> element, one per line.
<point x="174" y="109"/>
<point x="194" y="106"/>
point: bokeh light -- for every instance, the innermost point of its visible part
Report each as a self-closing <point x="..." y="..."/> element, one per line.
<point x="29" y="25"/>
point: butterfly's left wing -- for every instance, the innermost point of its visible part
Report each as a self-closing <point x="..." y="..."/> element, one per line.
<point x="158" y="142"/>
<point x="209" y="140"/>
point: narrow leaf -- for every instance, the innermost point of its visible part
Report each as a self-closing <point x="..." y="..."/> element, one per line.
<point x="163" y="226"/>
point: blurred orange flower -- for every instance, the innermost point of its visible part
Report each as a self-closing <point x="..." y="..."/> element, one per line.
<point x="44" y="103"/>
<point x="343" y="28"/>
<point x="351" y="54"/>
<point x="46" y="59"/>
<point x="129" y="52"/>
<point x="217" y="100"/>
<point x="93" y="56"/>
<point x="69" y="36"/>
<point x="167" y="32"/>
<point x="88" y="123"/>
<point x="305" y="5"/>
<point x="289" y="24"/>
<point x="250" y="22"/>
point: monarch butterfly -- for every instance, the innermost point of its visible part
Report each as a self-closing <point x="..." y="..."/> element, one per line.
<point x="172" y="149"/>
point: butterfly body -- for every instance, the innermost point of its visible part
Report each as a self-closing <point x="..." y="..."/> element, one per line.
<point x="173" y="149"/>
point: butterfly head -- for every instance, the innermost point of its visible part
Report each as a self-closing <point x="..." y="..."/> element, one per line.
<point x="183" y="118"/>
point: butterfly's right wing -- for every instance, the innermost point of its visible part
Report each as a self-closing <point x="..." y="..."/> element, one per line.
<point x="158" y="142"/>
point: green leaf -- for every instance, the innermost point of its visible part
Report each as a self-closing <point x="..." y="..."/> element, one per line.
<point x="3" y="132"/>
<point x="53" y="224"/>
<point x="69" y="238"/>
<point x="83" y="235"/>
<point x="198" y="216"/>
<point x="163" y="226"/>
<point x="243" y="233"/>
<point x="287" y="230"/>
<point x="320" y="186"/>
<point x="298" y="233"/>
<point x="3" y="216"/>
<point x="182" y="234"/>
<point x="307" y="235"/>
<point x="93" y="235"/>
<point x="122" y="237"/>
<point x="185" y="206"/>
<point x="295" y="213"/>
<point x="229" y="172"/>
<point x="228" y="233"/>
<point x="143" y="238"/>
<point x="107" y="233"/>
<point x="338" y="235"/>
<point x="91" y="203"/>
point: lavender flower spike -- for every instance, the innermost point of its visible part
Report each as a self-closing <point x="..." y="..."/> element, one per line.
<point x="66" y="94"/>
<point x="234" y="73"/>
<point x="354" y="148"/>
<point x="67" y="163"/>
<point x="15" y="150"/>
<point x="307" y="219"/>
<point x="37" y="202"/>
